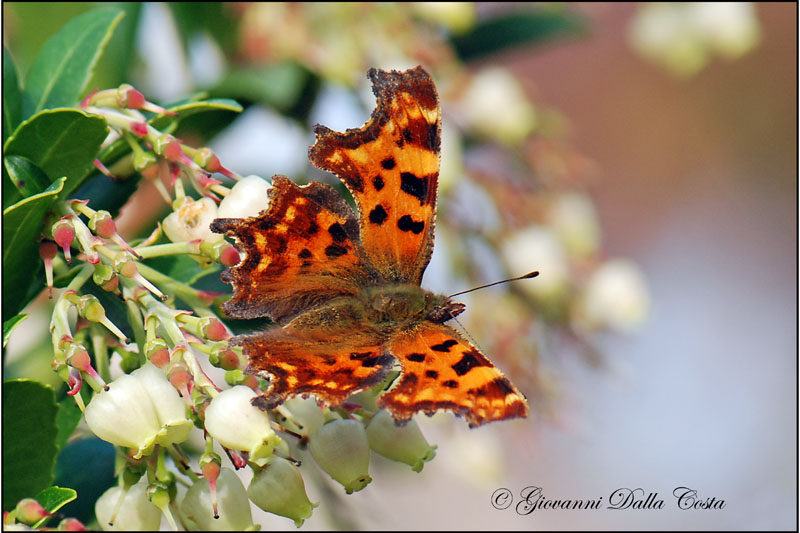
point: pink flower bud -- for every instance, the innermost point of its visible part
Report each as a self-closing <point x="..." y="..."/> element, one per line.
<point x="71" y="524"/>
<point x="216" y="330"/>
<point x="173" y="152"/>
<point x="47" y="251"/>
<point x="29" y="511"/>
<point x="229" y="256"/>
<point x="139" y="128"/>
<point x="64" y="234"/>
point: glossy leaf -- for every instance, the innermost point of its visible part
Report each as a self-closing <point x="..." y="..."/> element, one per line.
<point x="10" y="325"/>
<point x="22" y="224"/>
<point x="29" y="413"/>
<point x="62" y="142"/>
<point x="12" y="96"/>
<point x="53" y="499"/>
<point x="27" y="177"/>
<point x="67" y="419"/>
<point x="65" y="64"/>
<point x="515" y="29"/>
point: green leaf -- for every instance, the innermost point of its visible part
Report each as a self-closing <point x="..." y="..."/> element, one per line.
<point x="184" y="109"/>
<point x="29" y="449"/>
<point x="22" y="224"/>
<point x="64" y="66"/>
<point x="67" y="419"/>
<point x="10" y="325"/>
<point x="62" y="142"/>
<point x="277" y="86"/>
<point x="515" y="29"/>
<point x="53" y="499"/>
<point x="12" y="96"/>
<point x="27" y="177"/>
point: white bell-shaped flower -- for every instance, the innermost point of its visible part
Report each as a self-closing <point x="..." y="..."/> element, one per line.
<point x="232" y="505"/>
<point x="191" y="220"/>
<point x="237" y="424"/>
<point x="138" y="411"/>
<point x="247" y="198"/>
<point x="134" y="513"/>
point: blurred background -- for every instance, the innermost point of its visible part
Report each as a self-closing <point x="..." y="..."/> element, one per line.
<point x="642" y="157"/>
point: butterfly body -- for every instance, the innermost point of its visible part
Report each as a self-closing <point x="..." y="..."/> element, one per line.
<point x="344" y="285"/>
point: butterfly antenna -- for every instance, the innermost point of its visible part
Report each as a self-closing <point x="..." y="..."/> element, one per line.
<point x="526" y="276"/>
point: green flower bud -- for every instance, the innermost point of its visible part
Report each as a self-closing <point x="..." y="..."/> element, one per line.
<point x="279" y="489"/>
<point x="405" y="444"/>
<point x="232" y="504"/>
<point x="341" y="448"/>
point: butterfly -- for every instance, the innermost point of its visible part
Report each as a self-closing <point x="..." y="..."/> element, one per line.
<point x="344" y="286"/>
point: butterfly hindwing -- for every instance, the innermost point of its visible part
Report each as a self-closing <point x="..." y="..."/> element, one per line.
<point x="391" y="166"/>
<point x="442" y="370"/>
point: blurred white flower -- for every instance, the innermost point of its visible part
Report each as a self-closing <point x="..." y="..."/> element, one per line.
<point x="239" y="425"/>
<point x="681" y="36"/>
<point x="574" y="220"/>
<point x="615" y="297"/>
<point x="134" y="513"/>
<point x="138" y="411"/>
<point x="233" y="505"/>
<point x="190" y="221"/>
<point x="248" y="197"/>
<point x="537" y="248"/>
<point x="496" y="106"/>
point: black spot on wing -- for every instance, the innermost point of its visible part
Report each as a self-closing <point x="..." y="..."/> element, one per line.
<point x="388" y="163"/>
<point x="450" y="383"/>
<point x="377" y="182"/>
<point x="406" y="223"/>
<point x="415" y="186"/>
<point x="305" y="253"/>
<point x="337" y="232"/>
<point x="334" y="250"/>
<point x="432" y="374"/>
<point x="445" y="346"/>
<point x="416" y="357"/>
<point x="378" y="215"/>
<point x="467" y="363"/>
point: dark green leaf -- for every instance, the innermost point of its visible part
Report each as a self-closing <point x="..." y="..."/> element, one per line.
<point x="108" y="194"/>
<point x="277" y="86"/>
<point x="53" y="499"/>
<point x="113" y="67"/>
<point x="29" y="430"/>
<point x="22" y="224"/>
<point x="62" y="142"/>
<point x="64" y="66"/>
<point x="12" y="96"/>
<point x="66" y="420"/>
<point x="10" y="325"/>
<point x="500" y="33"/>
<point x="90" y="483"/>
<point x="27" y="177"/>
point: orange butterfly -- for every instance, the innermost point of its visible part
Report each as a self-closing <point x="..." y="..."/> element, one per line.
<point x="345" y="288"/>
